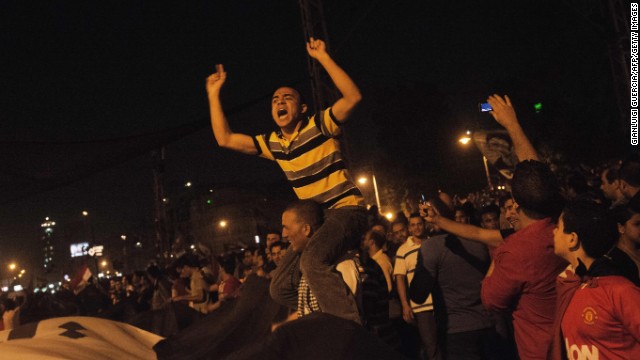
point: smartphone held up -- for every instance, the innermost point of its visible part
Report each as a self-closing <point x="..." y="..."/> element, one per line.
<point x="484" y="107"/>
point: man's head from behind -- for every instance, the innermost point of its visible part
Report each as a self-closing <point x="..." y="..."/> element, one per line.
<point x="610" y="183"/>
<point x="300" y="221"/>
<point x="535" y="189"/>
<point x="630" y="176"/>
<point x="287" y="107"/>
<point x="374" y="239"/>
<point x="586" y="226"/>
<point x="186" y="265"/>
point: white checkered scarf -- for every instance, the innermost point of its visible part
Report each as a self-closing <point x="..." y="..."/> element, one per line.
<point x="307" y="302"/>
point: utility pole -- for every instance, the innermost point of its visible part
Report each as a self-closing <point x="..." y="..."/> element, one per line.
<point x="618" y="12"/>
<point x="314" y="26"/>
<point x="160" y="219"/>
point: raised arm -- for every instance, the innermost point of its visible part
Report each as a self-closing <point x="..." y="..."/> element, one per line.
<point x="505" y="115"/>
<point x="221" y="130"/>
<point x="351" y="96"/>
<point x="471" y="232"/>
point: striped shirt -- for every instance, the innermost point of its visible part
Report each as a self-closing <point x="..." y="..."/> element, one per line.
<point x="312" y="161"/>
<point x="406" y="261"/>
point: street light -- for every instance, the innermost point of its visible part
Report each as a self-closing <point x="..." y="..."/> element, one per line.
<point x="12" y="266"/>
<point x="466" y="139"/>
<point x="223" y="223"/>
<point x="362" y="180"/>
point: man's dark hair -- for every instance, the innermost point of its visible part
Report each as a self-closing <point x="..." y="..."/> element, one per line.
<point x="535" y="188"/>
<point x="378" y="238"/>
<point x="154" y="271"/>
<point x="187" y="260"/>
<point x="578" y="183"/>
<point x="415" y="215"/>
<point x="630" y="171"/>
<point x="595" y="227"/>
<point x="612" y="173"/>
<point x="380" y="222"/>
<point x="488" y="209"/>
<point x="503" y="199"/>
<point x="308" y="212"/>
<point x="400" y="220"/>
<point x="282" y="245"/>
<point x="303" y="100"/>
<point x="622" y="213"/>
<point x="228" y="263"/>
<point x="466" y="210"/>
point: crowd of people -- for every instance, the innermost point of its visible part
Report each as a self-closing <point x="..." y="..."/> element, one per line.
<point x="549" y="270"/>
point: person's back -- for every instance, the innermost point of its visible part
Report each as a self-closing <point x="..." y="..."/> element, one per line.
<point x="525" y="267"/>
<point x="524" y="278"/>
<point x="459" y="265"/>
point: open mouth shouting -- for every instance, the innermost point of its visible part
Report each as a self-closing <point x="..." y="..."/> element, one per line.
<point x="282" y="113"/>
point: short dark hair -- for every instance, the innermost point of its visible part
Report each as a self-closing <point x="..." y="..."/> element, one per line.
<point x="379" y="222"/>
<point x="503" y="199"/>
<point x="466" y="210"/>
<point x="228" y="263"/>
<point x="282" y="245"/>
<point x="400" y="220"/>
<point x="187" y="260"/>
<point x="416" y="215"/>
<point x="622" y="213"/>
<point x="154" y="271"/>
<point x="612" y="173"/>
<point x="595" y="227"/>
<point x="630" y="171"/>
<point x="378" y="238"/>
<point x="492" y="208"/>
<point x="307" y="211"/>
<point x="303" y="100"/>
<point x="577" y="182"/>
<point x="535" y="188"/>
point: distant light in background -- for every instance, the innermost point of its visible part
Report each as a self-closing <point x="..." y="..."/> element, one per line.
<point x="257" y="239"/>
<point x="537" y="107"/>
<point x="103" y="263"/>
<point x="187" y="184"/>
<point x="223" y="223"/>
<point x="362" y="180"/>
<point x="123" y="237"/>
<point x="389" y="215"/>
<point x="85" y="213"/>
<point x="466" y="138"/>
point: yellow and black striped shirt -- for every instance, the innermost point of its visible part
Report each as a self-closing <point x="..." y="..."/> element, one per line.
<point x="313" y="162"/>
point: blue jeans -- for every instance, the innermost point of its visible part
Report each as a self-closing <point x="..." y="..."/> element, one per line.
<point x="340" y="232"/>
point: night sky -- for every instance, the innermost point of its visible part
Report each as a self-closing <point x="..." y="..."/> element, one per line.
<point x="88" y="89"/>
